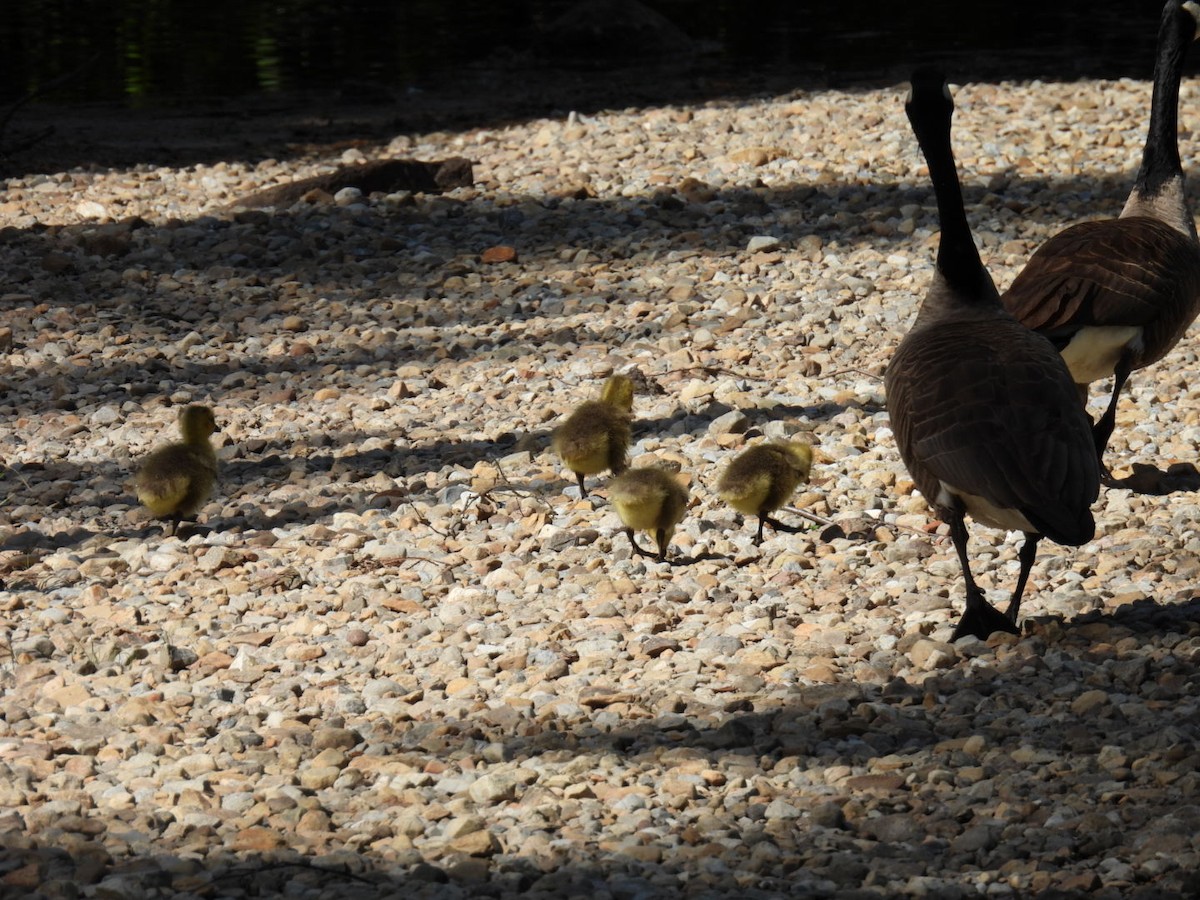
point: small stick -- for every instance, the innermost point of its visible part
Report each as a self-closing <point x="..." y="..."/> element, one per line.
<point x="812" y="517"/>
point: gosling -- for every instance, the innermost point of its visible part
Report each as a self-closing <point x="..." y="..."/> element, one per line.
<point x="595" y="437"/>
<point x="649" y="498"/>
<point x="763" y="478"/>
<point x="176" y="480"/>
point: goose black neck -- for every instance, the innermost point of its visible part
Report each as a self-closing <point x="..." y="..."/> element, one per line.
<point x="957" y="260"/>
<point x="1160" y="158"/>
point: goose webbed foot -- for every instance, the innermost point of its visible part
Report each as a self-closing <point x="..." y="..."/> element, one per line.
<point x="1108" y="479"/>
<point x="981" y="619"/>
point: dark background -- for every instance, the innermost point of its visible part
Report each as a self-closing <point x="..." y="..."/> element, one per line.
<point x="139" y="52"/>
<point x="176" y="82"/>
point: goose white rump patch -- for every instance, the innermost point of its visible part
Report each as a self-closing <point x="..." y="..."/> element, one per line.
<point x="984" y="511"/>
<point x="1094" y="351"/>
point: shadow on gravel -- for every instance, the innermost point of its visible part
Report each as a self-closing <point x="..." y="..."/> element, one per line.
<point x="435" y="237"/>
<point x="848" y="723"/>
<point x="251" y="518"/>
<point x="413" y="303"/>
<point x="287" y="126"/>
<point x="1141" y="617"/>
<point x="1038" y="760"/>
<point x="1145" y="478"/>
<point x="57" y="487"/>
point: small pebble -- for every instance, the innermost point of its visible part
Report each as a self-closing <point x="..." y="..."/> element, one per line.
<point x="396" y="645"/>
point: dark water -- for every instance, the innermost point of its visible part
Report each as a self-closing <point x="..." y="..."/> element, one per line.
<point x="175" y="51"/>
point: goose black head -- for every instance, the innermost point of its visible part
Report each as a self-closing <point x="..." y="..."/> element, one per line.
<point x="927" y="90"/>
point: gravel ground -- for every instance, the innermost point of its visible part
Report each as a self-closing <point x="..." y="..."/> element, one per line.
<point x="401" y="654"/>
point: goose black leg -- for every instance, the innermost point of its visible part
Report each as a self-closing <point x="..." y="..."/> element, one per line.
<point x="1104" y="426"/>
<point x="582" y="489"/>
<point x="979" y="618"/>
<point x="1027" y="556"/>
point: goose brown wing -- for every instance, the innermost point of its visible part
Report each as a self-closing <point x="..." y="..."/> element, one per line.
<point x="1111" y="272"/>
<point x="991" y="411"/>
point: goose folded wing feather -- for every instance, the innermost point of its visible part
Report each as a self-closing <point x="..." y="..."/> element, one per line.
<point x="1078" y="279"/>
<point x="976" y="443"/>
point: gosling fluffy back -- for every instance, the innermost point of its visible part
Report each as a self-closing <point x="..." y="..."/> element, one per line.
<point x="596" y="436"/>
<point x="649" y="498"/>
<point x="176" y="480"/>
<point x="764" y="477"/>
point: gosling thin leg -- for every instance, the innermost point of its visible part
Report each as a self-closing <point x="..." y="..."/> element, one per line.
<point x="777" y="525"/>
<point x="662" y="539"/>
<point x="637" y="548"/>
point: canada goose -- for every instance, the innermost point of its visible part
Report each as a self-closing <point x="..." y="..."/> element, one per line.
<point x="649" y="498"/>
<point x="984" y="411"/>
<point x="763" y="478"/>
<point x="595" y="436"/>
<point x="1116" y="295"/>
<point x="174" y="481"/>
